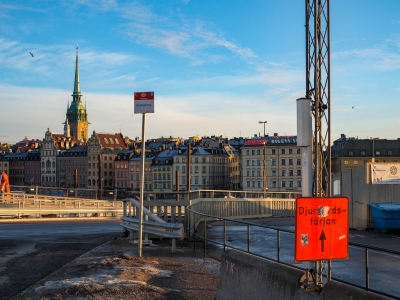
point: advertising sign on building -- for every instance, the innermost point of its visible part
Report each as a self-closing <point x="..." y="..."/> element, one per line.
<point x="385" y="174"/>
<point x="322" y="230"/>
<point x="143" y="102"/>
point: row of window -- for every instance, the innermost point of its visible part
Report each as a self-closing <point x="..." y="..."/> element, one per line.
<point x="257" y="172"/>
<point x="258" y="184"/>
<point x="259" y="162"/>
<point x="273" y="151"/>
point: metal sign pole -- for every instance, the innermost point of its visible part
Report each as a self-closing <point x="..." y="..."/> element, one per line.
<point x="140" y="241"/>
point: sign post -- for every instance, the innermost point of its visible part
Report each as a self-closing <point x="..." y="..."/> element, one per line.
<point x="322" y="231"/>
<point x="143" y="103"/>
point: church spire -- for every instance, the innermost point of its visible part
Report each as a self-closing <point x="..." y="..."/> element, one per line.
<point x="77" y="84"/>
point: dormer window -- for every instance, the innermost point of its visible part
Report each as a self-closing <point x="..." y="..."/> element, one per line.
<point x="351" y="153"/>
<point x="362" y="152"/>
<point x="390" y="152"/>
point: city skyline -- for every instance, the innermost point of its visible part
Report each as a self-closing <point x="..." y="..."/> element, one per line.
<point x="215" y="68"/>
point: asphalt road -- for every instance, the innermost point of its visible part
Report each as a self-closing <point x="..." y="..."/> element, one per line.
<point x="31" y="250"/>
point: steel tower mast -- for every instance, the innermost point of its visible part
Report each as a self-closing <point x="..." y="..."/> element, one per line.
<point x="318" y="89"/>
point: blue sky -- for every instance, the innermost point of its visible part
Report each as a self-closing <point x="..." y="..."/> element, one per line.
<point x="216" y="67"/>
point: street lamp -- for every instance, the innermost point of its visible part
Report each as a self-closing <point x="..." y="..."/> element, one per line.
<point x="264" y="161"/>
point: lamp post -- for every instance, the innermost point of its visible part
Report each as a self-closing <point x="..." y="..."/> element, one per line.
<point x="264" y="161"/>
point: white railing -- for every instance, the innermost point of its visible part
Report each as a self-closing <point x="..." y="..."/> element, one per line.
<point x="14" y="205"/>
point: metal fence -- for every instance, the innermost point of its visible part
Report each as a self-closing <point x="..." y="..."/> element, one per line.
<point x="16" y="205"/>
<point x="279" y="247"/>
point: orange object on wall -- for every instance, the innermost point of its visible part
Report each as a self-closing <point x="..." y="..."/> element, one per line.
<point x="4" y="183"/>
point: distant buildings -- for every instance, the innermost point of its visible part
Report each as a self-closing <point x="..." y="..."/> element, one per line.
<point x="349" y="153"/>
<point x="283" y="164"/>
<point x="108" y="161"/>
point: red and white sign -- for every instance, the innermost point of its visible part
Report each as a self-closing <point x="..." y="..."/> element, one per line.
<point x="322" y="228"/>
<point x="143" y="102"/>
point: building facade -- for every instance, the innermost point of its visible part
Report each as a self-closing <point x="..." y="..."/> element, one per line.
<point x="282" y="163"/>
<point x="72" y="167"/>
<point x="102" y="149"/>
<point x="349" y="153"/>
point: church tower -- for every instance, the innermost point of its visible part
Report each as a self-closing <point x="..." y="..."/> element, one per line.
<point x="76" y="113"/>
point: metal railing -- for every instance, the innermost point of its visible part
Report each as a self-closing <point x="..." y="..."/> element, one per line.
<point x="200" y="221"/>
<point x="14" y="205"/>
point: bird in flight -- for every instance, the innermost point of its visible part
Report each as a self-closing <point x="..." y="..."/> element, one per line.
<point x="31" y="54"/>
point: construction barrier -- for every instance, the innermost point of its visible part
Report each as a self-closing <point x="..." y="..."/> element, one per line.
<point x="245" y="276"/>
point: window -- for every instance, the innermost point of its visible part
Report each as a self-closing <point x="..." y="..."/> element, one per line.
<point x="282" y="151"/>
<point x="183" y="169"/>
<point x="283" y="184"/>
<point x="298" y="161"/>
<point x="351" y="153"/>
<point x="290" y="172"/>
<point x="273" y="151"/>
<point x="248" y="183"/>
<point x="259" y="183"/>
<point x="196" y="169"/>
<point x="253" y="162"/>
<point x="290" y="161"/>
<point x="253" y="173"/>
<point x="247" y="162"/>
<point x="378" y="152"/>
<point x="298" y="183"/>
<point x="390" y="152"/>
<point x="356" y="162"/>
<point x="254" y="183"/>
<point x="274" y="184"/>
<point x="283" y="161"/>
<point x="258" y="162"/>
<point x="273" y="172"/>
<point x="299" y="172"/>
<point x="247" y="152"/>
<point x="248" y="172"/>
<point x="252" y="152"/>
<point x="177" y="159"/>
<point x="346" y="162"/>
<point x="283" y="172"/>
<point x="362" y="152"/>
<point x="290" y="151"/>
<point x="291" y="183"/>
<point x="298" y="151"/>
<point x="273" y="162"/>
<point x="204" y="169"/>
<point x="258" y="152"/>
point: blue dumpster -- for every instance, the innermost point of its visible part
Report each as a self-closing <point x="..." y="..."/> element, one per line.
<point x="386" y="215"/>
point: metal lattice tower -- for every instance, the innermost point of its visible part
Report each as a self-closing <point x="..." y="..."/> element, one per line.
<point x="318" y="89"/>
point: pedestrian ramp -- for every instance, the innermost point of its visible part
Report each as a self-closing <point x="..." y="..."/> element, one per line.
<point x="152" y="224"/>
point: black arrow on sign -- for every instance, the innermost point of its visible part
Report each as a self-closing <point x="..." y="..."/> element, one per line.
<point x="322" y="237"/>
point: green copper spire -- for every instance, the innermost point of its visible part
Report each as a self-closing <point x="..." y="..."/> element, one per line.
<point x="77" y="83"/>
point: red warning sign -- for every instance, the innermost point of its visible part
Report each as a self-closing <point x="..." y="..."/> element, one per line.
<point x="322" y="228"/>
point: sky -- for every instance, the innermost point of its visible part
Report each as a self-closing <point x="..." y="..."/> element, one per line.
<point x="216" y="67"/>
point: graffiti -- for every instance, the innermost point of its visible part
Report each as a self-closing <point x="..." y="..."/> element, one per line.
<point x="229" y="267"/>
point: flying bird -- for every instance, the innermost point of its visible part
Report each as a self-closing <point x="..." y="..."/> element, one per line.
<point x="352" y="107"/>
<point x="31" y="54"/>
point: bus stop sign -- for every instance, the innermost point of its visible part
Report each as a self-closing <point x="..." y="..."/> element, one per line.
<point x="322" y="228"/>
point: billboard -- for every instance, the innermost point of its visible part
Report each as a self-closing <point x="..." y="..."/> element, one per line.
<point x="143" y="102"/>
<point x="385" y="174"/>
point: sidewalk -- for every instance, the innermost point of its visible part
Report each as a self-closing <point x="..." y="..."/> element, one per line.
<point x="114" y="271"/>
